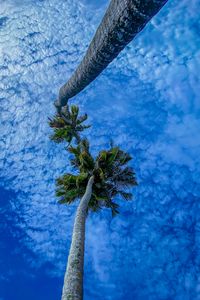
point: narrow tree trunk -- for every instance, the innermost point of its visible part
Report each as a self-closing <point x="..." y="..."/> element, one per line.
<point x="123" y="20"/>
<point x="73" y="281"/>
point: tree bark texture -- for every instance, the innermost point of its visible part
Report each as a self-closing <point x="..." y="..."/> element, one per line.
<point x="73" y="281"/>
<point x="123" y="20"/>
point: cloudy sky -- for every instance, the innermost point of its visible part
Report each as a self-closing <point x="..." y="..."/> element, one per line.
<point x="148" y="102"/>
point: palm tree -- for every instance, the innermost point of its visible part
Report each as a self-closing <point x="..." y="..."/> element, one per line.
<point x="98" y="182"/>
<point x="123" y="20"/>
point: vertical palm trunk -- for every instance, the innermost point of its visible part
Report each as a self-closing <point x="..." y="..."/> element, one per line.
<point x="73" y="281"/>
<point x="123" y="20"/>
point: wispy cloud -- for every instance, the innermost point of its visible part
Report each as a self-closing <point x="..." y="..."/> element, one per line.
<point x="147" y="101"/>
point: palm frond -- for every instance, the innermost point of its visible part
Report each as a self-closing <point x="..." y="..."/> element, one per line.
<point x="114" y="208"/>
<point x="82" y="119"/>
<point x="74" y="113"/>
<point x="82" y="127"/>
<point x="61" y="134"/>
<point x="125" y="195"/>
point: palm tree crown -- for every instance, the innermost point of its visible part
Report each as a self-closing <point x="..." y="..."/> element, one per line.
<point x="112" y="177"/>
<point x="68" y="124"/>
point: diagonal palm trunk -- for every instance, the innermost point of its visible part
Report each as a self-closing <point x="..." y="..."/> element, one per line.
<point x="123" y="20"/>
<point x="73" y="281"/>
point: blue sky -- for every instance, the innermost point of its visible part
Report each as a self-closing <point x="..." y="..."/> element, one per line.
<point x="147" y="101"/>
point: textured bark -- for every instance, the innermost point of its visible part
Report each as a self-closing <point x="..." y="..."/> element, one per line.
<point x="121" y="23"/>
<point x="73" y="281"/>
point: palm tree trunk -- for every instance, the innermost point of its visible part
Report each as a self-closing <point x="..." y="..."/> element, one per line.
<point x="123" y="20"/>
<point x="73" y="281"/>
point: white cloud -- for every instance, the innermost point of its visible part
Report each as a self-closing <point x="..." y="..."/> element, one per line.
<point x="147" y="101"/>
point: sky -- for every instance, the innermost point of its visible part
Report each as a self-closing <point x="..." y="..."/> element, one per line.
<point x="148" y="102"/>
